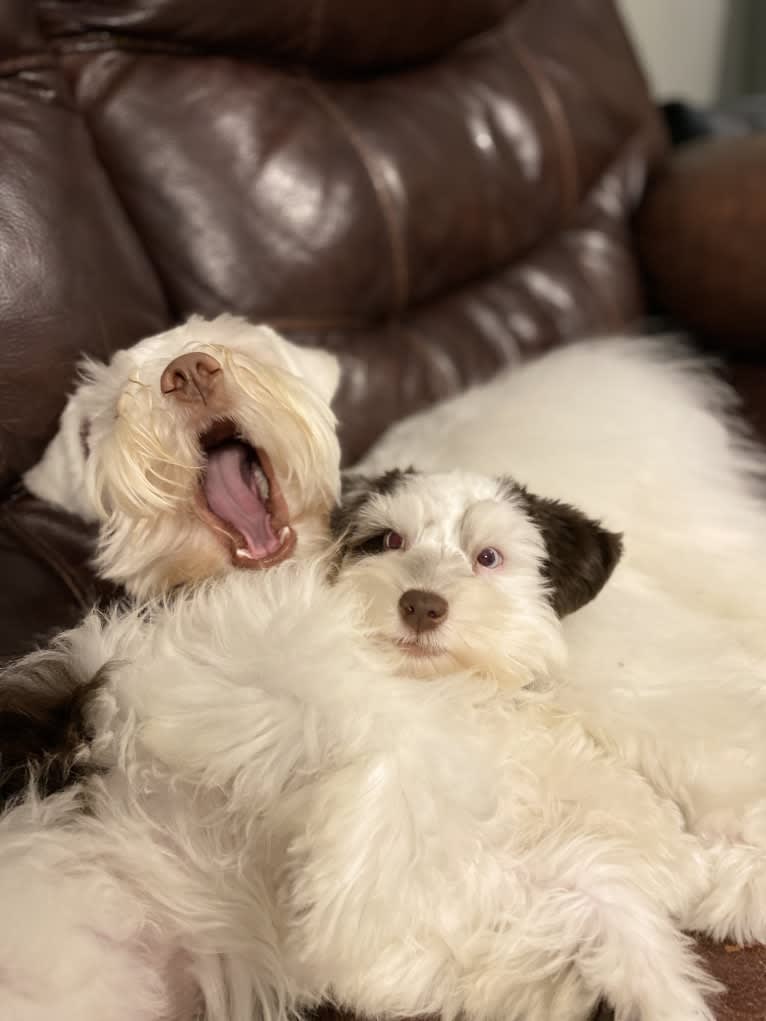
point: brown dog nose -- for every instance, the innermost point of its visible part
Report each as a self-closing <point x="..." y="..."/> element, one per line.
<point x="191" y="377"/>
<point x="422" y="611"/>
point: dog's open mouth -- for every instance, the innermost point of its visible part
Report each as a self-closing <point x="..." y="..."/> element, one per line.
<point x="241" y="500"/>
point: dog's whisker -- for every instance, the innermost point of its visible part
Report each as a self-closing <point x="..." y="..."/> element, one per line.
<point x="192" y="469"/>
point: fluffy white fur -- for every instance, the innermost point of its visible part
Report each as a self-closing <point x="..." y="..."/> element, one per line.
<point x="635" y="432"/>
<point x="284" y="819"/>
<point x="131" y="458"/>
<point x="660" y="683"/>
<point x="667" y="668"/>
<point x="290" y="819"/>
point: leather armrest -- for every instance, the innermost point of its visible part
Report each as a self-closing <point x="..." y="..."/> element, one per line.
<point x="47" y="583"/>
<point x="702" y="237"/>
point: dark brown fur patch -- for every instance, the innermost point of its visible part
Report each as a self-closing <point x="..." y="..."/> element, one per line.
<point x="44" y="724"/>
<point x="581" y="553"/>
<point x="356" y="491"/>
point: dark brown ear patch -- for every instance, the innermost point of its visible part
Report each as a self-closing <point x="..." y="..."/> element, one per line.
<point x="581" y="554"/>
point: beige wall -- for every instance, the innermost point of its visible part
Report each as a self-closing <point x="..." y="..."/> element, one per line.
<point x="682" y="44"/>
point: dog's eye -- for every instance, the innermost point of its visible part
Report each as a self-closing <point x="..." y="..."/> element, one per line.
<point x="378" y="543"/>
<point x="489" y="558"/>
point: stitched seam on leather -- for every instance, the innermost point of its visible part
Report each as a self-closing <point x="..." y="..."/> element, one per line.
<point x="30" y="76"/>
<point x="392" y="223"/>
<point x="106" y="41"/>
<point x="316" y="323"/>
<point x="111" y="42"/>
<point x="550" y="100"/>
<point x="130" y="222"/>
<point x="33" y="90"/>
<point x="38" y="62"/>
<point x="44" y="553"/>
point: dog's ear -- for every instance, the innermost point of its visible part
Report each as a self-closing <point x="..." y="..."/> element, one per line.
<point x="356" y="489"/>
<point x="59" y="476"/>
<point x="580" y="553"/>
<point x="320" y="369"/>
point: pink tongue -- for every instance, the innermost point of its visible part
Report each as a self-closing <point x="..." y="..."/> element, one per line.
<point x="232" y="494"/>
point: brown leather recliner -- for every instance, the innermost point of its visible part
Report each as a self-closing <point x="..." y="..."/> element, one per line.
<point x="430" y="188"/>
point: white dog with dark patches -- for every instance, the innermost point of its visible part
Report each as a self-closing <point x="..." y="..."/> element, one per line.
<point x="668" y="667"/>
<point x="438" y="532"/>
<point x="287" y="811"/>
<point x="659" y="684"/>
<point x="636" y="432"/>
<point x="210" y="446"/>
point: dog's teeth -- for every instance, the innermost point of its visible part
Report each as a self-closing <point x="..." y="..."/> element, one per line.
<point x="261" y="482"/>
<point x="243" y="551"/>
<point x="283" y="534"/>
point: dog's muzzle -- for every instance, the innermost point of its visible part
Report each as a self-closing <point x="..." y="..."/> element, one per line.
<point x="239" y="497"/>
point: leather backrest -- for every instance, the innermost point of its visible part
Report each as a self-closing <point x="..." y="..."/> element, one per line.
<point x="432" y="189"/>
